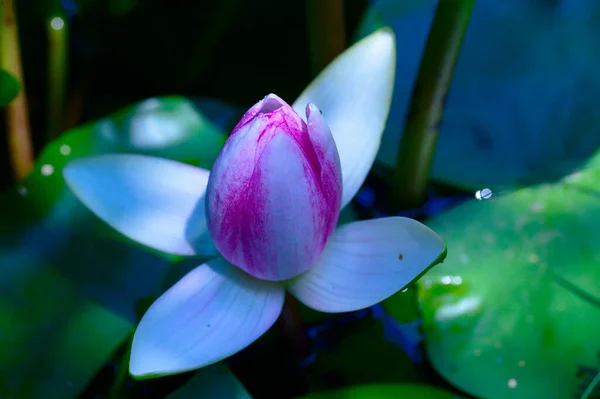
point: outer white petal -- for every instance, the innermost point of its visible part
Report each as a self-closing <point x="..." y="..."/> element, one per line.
<point x="354" y="92"/>
<point x="213" y="312"/>
<point x="154" y="201"/>
<point x="366" y="262"/>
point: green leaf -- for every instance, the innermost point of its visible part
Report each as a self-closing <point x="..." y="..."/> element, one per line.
<point x="362" y="355"/>
<point x="49" y="240"/>
<point x="385" y="391"/>
<point x="9" y="87"/>
<point x="517" y="302"/>
<point x="52" y="340"/>
<point x="212" y="382"/>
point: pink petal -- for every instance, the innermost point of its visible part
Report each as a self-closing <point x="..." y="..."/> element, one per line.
<point x="274" y="194"/>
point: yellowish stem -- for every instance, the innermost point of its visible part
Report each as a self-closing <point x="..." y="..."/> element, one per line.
<point x="57" y="31"/>
<point x="17" y="113"/>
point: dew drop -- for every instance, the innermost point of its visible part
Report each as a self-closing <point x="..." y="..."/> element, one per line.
<point x="57" y="23"/>
<point x="65" y="149"/>
<point x="47" y="169"/>
<point x="486" y="193"/>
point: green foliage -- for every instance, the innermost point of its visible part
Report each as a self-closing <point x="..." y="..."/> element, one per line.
<point x="362" y="355"/>
<point x="9" y="87"/>
<point x="52" y="340"/>
<point x="385" y="391"/>
<point x="212" y="382"/>
<point x="55" y="255"/>
<point x="514" y="311"/>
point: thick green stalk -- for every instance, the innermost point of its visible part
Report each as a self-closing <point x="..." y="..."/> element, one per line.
<point x="417" y="147"/>
<point x="17" y="114"/>
<point x="57" y="74"/>
<point x="326" y="31"/>
<point x="117" y="389"/>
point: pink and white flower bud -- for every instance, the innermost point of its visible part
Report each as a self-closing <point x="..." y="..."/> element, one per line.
<point x="274" y="193"/>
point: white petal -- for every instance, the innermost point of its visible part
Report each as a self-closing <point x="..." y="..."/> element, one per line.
<point x="366" y="262"/>
<point x="213" y="382"/>
<point x="213" y="312"/>
<point x="154" y="201"/>
<point x="354" y="92"/>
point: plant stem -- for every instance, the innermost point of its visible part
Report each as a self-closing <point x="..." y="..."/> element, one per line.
<point x="326" y="31"/>
<point x="17" y="115"/>
<point x="420" y="135"/>
<point x="293" y="328"/>
<point x="116" y="389"/>
<point x="57" y="73"/>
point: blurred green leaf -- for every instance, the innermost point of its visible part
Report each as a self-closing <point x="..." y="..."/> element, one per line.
<point x="212" y="382"/>
<point x="514" y="311"/>
<point x="385" y="391"/>
<point x="361" y="355"/>
<point x="45" y="230"/>
<point x="9" y="87"/>
<point x="53" y="341"/>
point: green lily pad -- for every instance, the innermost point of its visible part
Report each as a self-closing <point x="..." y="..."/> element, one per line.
<point x="9" y="87"/>
<point x="385" y="391"/>
<point x="52" y="340"/>
<point x="212" y="382"/>
<point x="55" y="255"/>
<point x="514" y="311"/>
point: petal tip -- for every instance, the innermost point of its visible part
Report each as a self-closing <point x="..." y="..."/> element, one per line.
<point x="147" y="362"/>
<point x="311" y="108"/>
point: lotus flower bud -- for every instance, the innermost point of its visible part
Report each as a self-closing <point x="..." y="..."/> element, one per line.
<point x="274" y="193"/>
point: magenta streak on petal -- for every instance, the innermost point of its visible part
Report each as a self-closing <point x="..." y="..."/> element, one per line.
<point x="245" y="233"/>
<point x="267" y="105"/>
